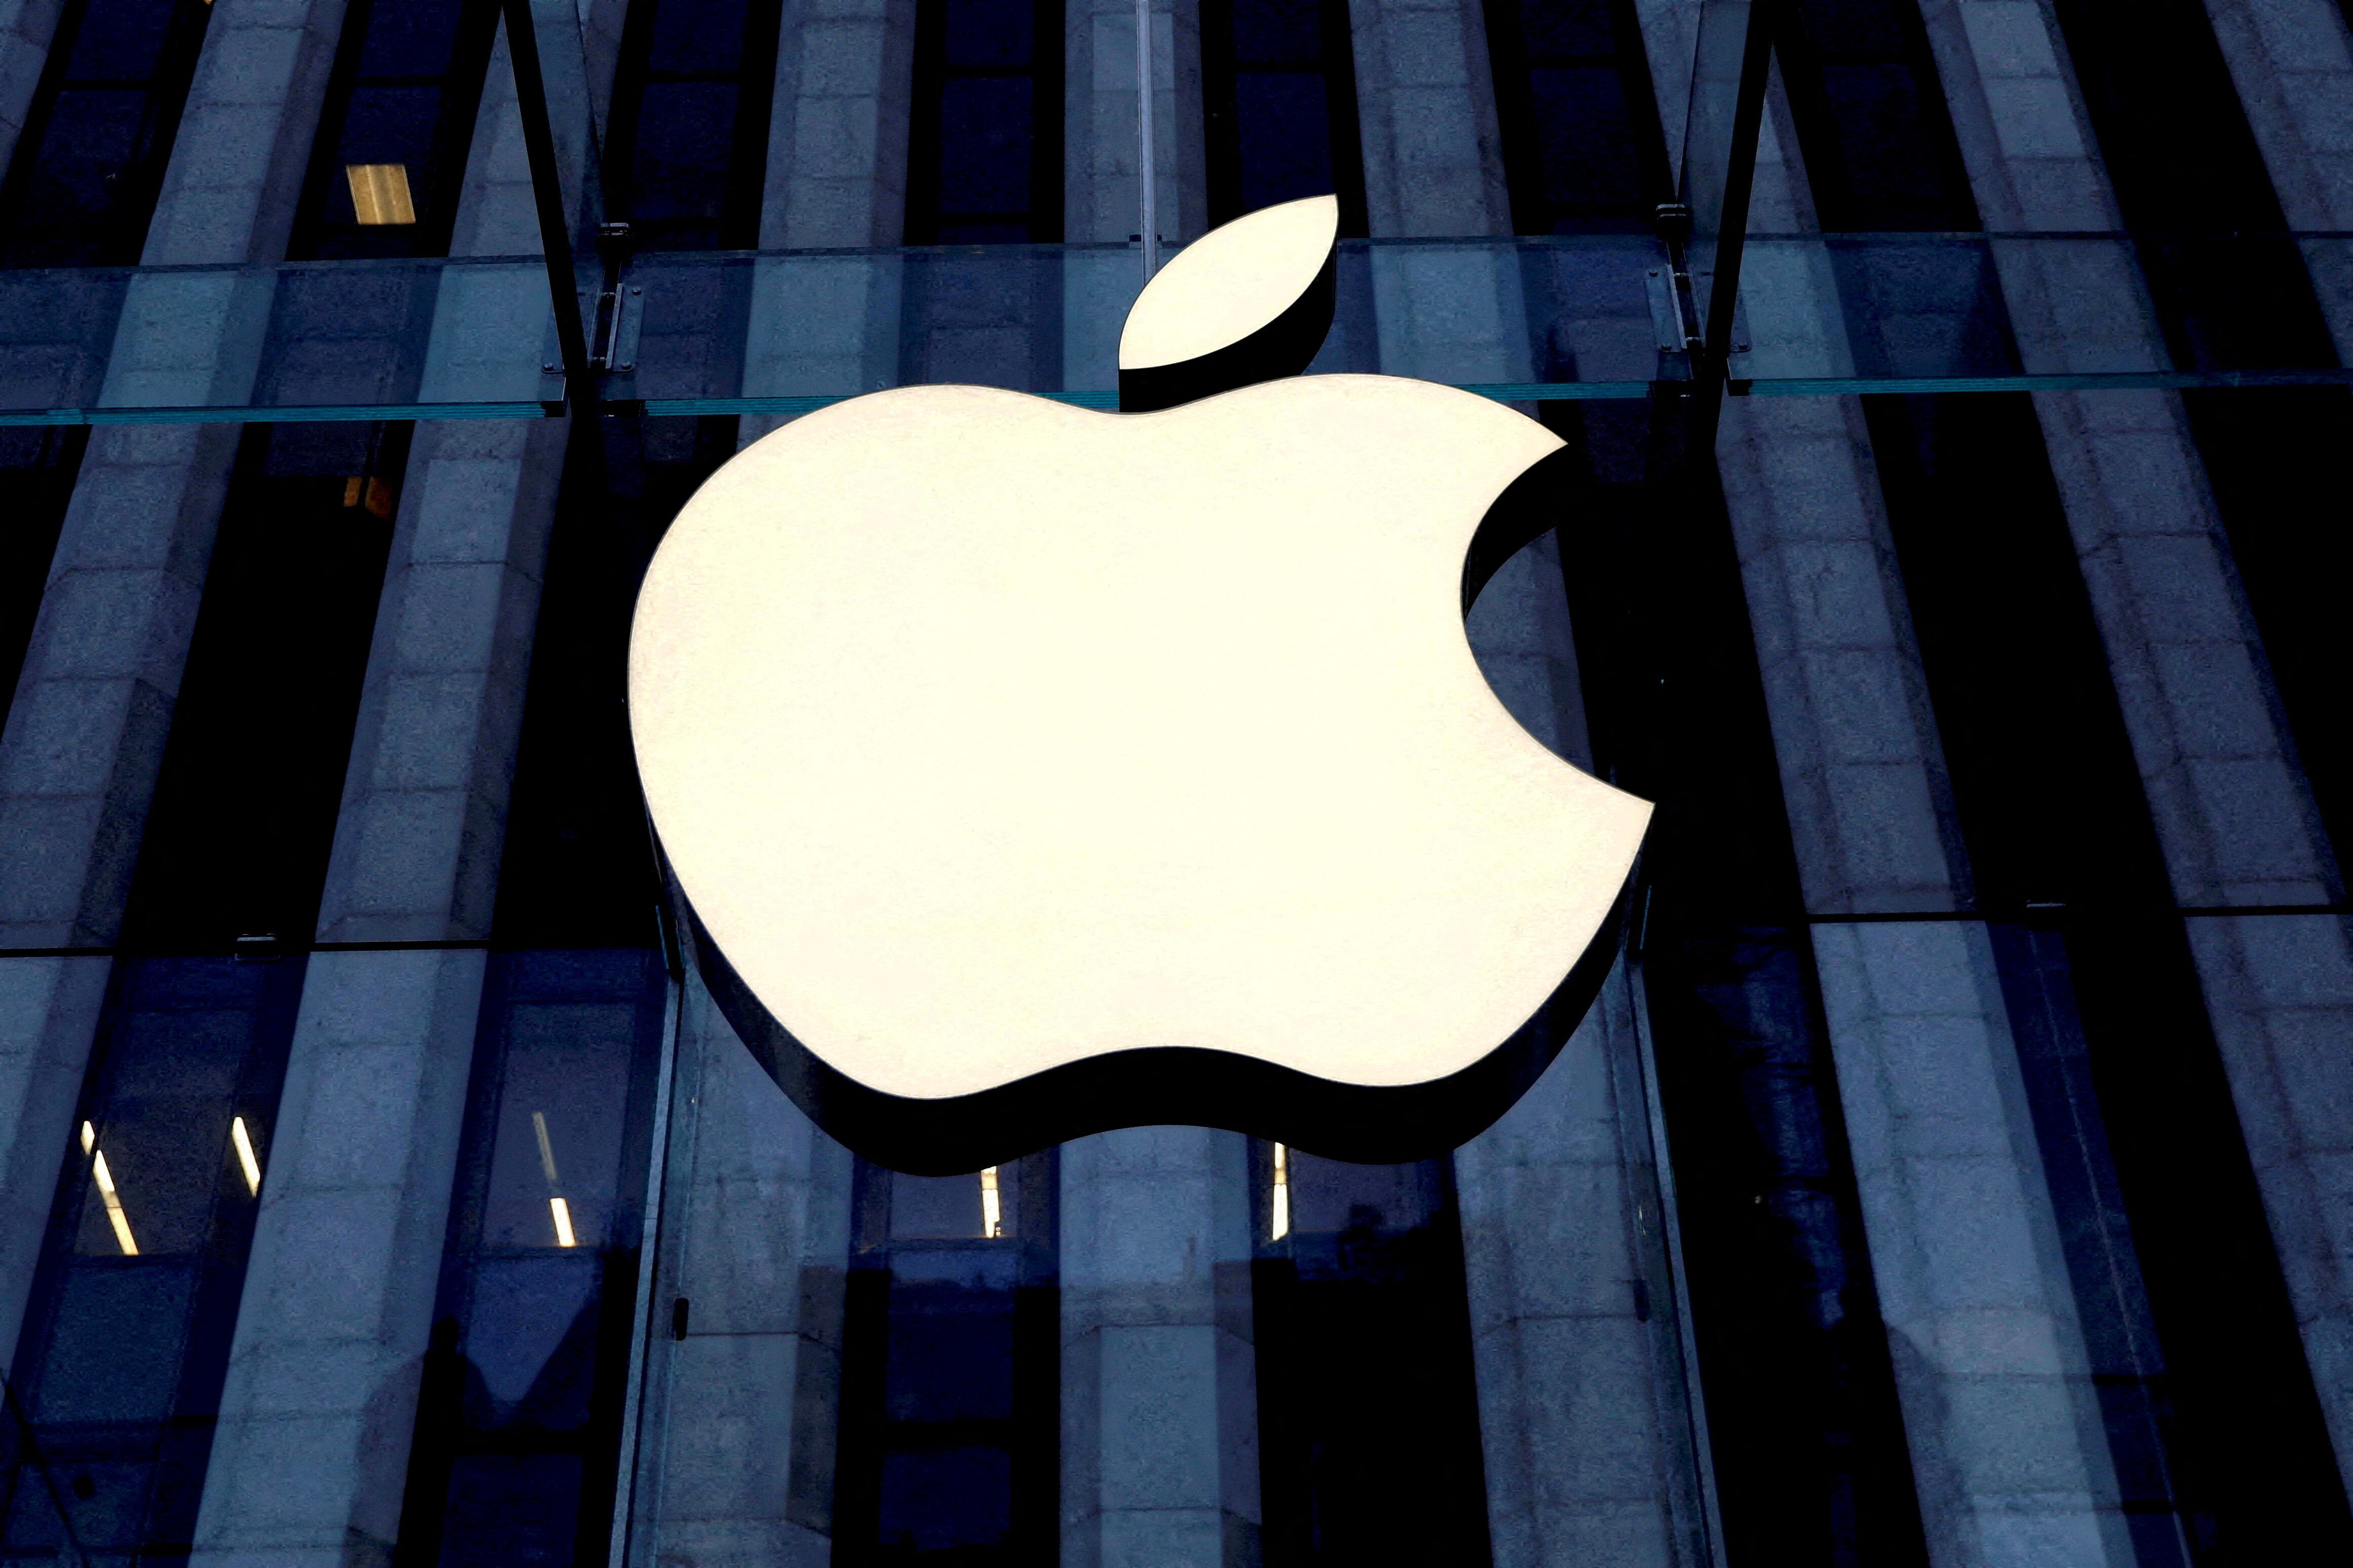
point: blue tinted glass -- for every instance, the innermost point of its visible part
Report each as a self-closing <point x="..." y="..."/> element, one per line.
<point x="985" y="156"/>
<point x="1277" y="33"/>
<point x="93" y="138"/>
<point x="1287" y="134"/>
<point x="1566" y="29"/>
<point x="120" y="40"/>
<point x="699" y="36"/>
<point x="979" y="33"/>
<point x="392" y="125"/>
<point x="127" y="1332"/>
<point x="1587" y="135"/>
<point x="410" y="37"/>
<point x="684" y="130"/>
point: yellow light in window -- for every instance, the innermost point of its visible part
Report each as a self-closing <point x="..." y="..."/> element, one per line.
<point x="992" y="1216"/>
<point x="244" y="1155"/>
<point x="380" y="192"/>
<point x="556" y="1206"/>
<point x="89" y="1137"/>
<point x="1281" y="1226"/>
<point x="114" y="1214"/>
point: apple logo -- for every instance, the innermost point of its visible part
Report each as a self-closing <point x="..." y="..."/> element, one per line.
<point x="1024" y="771"/>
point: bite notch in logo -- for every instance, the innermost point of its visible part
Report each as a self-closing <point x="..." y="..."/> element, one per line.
<point x="1025" y="772"/>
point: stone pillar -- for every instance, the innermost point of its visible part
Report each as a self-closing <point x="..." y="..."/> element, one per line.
<point x="85" y="735"/>
<point x="26" y="29"/>
<point x="2233" y="817"/>
<point x="310" y="1458"/>
<point x="837" y="127"/>
<point x="735" y="1469"/>
<point x="1425" y="110"/>
<point x="2293" y="66"/>
<point x="1102" y="198"/>
<point x="1160" y="1465"/>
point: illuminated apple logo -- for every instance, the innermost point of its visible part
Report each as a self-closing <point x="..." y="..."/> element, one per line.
<point x="1026" y="772"/>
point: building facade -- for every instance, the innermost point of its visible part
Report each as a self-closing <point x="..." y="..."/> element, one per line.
<point x="1956" y="1170"/>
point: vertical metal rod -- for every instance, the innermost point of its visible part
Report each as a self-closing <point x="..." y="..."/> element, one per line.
<point x="547" y="193"/>
<point x="1147" y="170"/>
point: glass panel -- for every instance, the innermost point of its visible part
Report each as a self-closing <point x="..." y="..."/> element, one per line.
<point x="1365" y="1386"/>
<point x="126" y="1341"/>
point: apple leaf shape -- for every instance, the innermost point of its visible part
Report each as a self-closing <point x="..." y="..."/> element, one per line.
<point x="1026" y="772"/>
<point x="1248" y="302"/>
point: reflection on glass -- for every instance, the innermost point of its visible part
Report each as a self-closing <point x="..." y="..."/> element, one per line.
<point x="1364" y="1259"/>
<point x="246" y="1158"/>
<point x="1278" y="1224"/>
<point x="517" y="1430"/>
<point x="117" y="1376"/>
<point x="114" y="1214"/>
<point x="556" y="1208"/>
<point x="380" y="192"/>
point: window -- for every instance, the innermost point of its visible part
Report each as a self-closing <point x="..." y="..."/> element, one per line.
<point x="82" y="184"/>
<point x="237" y="840"/>
<point x="126" y="1341"/>
<point x="951" y="1369"/>
<point x="1365" y="1386"/>
<point x="391" y="152"/>
<point x="1280" y="82"/>
<point x="1583" y="152"/>
<point x="985" y="154"/>
<point x="690" y="142"/>
<point x="519" y="1414"/>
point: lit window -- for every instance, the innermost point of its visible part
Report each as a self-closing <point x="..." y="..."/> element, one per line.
<point x="1280" y="1226"/>
<point x="992" y="1216"/>
<point x="558" y="1210"/>
<point x="114" y="1215"/>
<point x="244" y="1155"/>
<point x="380" y="192"/>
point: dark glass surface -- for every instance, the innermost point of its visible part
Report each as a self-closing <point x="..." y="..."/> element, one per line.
<point x="37" y="472"/>
<point x="2231" y="290"/>
<point x="951" y="1372"/>
<point x="118" y="1377"/>
<point x="244" y="816"/>
<point x="578" y="867"/>
<point x="1369" y="1413"/>
<point x="409" y="76"/>
<point x="1808" y="1439"/>
<point x="83" y="183"/>
<point x="1878" y="143"/>
<point x="985" y="146"/>
<point x="1279" y="94"/>
<point x="1583" y="149"/>
<point x="519" y="1415"/>
<point x="2209" y="1404"/>
<point x="689" y="148"/>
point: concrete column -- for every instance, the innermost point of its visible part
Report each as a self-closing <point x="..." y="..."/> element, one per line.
<point x="2293" y="66"/>
<point x="26" y="29"/>
<point x="736" y="1465"/>
<point x="85" y="735"/>
<point x="1102" y="198"/>
<point x="1160" y="1465"/>
<point x="310" y="1459"/>
<point x="837" y="127"/>
<point x="1425" y="110"/>
<point x="2235" y="821"/>
<point x="1583" y="1408"/>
